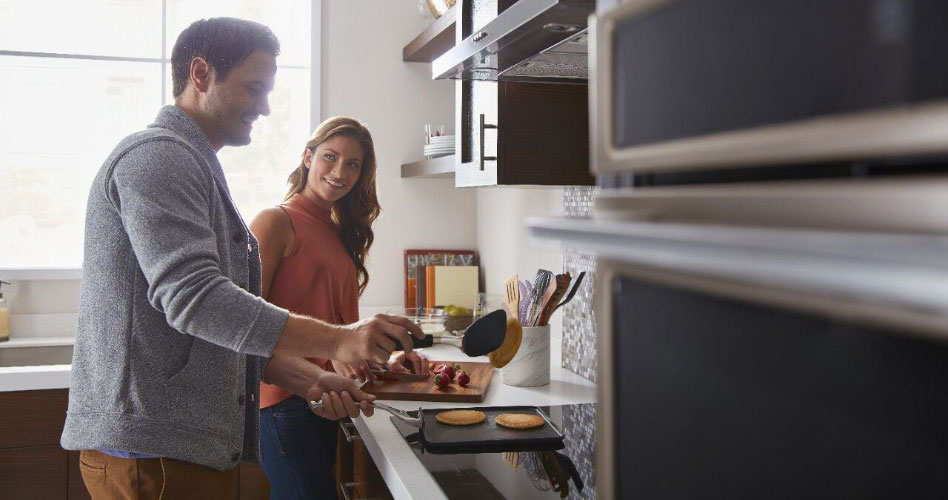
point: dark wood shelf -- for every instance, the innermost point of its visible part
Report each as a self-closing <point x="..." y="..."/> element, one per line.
<point x="442" y="166"/>
<point x="434" y="41"/>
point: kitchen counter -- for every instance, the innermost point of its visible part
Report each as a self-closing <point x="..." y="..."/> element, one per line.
<point x="34" y="378"/>
<point x="408" y="478"/>
<point x="405" y="475"/>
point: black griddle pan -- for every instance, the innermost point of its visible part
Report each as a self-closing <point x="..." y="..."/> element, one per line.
<point x="485" y="437"/>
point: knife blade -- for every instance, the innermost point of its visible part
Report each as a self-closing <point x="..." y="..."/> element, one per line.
<point x="383" y="374"/>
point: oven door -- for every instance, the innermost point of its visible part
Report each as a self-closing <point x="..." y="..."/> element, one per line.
<point x="747" y="363"/>
<point x="691" y="85"/>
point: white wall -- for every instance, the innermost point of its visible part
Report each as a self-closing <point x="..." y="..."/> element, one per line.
<point x="364" y="76"/>
<point x="501" y="239"/>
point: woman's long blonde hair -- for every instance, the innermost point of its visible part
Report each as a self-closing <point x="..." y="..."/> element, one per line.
<point x="355" y="212"/>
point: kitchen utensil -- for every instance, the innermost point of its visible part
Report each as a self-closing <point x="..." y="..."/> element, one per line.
<point x="569" y="467"/>
<point x="512" y="295"/>
<point x="525" y="287"/>
<point x="531" y="464"/>
<point x="562" y="284"/>
<point x="511" y="345"/>
<point x="540" y="283"/>
<point x="482" y="337"/>
<point x="572" y="291"/>
<point x="401" y="415"/>
<point x="551" y="466"/>
<point x="425" y="390"/>
<point x="386" y="374"/>
<point x="485" y="437"/>
<point x="485" y="334"/>
<point x="511" y="458"/>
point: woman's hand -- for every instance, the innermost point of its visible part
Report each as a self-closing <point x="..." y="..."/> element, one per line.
<point x="340" y="397"/>
<point x="411" y="361"/>
<point x="355" y="371"/>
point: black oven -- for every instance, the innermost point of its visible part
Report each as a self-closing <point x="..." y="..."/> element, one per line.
<point x="771" y="233"/>
<point x="748" y="362"/>
<point x="699" y="84"/>
<point x="718" y="396"/>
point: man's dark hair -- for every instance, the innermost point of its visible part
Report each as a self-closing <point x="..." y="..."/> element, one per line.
<point x="223" y="42"/>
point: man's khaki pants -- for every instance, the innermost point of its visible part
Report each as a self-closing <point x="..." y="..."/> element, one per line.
<point x="107" y="478"/>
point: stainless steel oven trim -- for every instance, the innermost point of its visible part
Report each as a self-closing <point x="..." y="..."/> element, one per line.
<point x="846" y="275"/>
<point x="608" y="269"/>
<point x="915" y="204"/>
<point x="919" y="129"/>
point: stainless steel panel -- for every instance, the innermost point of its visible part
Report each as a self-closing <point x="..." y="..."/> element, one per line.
<point x="511" y="47"/>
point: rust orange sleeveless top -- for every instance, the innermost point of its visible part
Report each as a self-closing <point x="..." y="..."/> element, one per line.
<point x="317" y="279"/>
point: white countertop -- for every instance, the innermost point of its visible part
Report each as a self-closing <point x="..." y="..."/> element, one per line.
<point x="34" y="378"/>
<point x="405" y="475"/>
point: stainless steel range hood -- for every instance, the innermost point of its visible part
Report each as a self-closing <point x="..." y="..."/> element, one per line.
<point x="533" y="40"/>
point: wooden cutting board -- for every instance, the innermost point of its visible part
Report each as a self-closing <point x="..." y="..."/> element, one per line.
<point x="426" y="390"/>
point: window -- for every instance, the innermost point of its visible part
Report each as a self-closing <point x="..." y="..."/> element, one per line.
<point x="79" y="76"/>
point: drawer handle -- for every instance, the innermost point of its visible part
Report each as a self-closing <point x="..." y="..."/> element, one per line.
<point x="344" y="488"/>
<point x="350" y="434"/>
<point x="483" y="127"/>
<point x="480" y="36"/>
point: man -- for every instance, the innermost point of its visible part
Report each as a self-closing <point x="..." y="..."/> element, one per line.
<point x="173" y="338"/>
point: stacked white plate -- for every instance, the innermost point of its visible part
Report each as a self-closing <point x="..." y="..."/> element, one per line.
<point x="440" y="145"/>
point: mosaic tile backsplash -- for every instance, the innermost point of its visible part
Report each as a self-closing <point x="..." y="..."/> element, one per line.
<point x="579" y="320"/>
<point x="579" y="422"/>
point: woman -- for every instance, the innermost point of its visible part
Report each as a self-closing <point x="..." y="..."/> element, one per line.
<point x="313" y="250"/>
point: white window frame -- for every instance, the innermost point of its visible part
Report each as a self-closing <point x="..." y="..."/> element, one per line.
<point x="74" y="273"/>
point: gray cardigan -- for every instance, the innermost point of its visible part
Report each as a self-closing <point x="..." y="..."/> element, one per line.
<point x="172" y="332"/>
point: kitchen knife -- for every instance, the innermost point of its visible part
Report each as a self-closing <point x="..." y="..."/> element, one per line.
<point x="399" y="375"/>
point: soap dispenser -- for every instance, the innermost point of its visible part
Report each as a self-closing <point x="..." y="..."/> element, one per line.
<point x="4" y="316"/>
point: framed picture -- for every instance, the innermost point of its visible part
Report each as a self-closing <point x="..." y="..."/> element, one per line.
<point x="416" y="260"/>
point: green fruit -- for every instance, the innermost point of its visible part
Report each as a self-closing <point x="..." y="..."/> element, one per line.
<point x="456" y="310"/>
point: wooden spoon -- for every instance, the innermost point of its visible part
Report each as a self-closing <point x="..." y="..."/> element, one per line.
<point x="562" y="284"/>
<point x="512" y="295"/>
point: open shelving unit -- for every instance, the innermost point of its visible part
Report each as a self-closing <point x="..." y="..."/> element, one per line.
<point x="441" y="167"/>
<point x="434" y="41"/>
<point x="425" y="48"/>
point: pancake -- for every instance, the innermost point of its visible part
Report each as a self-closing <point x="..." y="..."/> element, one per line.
<point x="461" y="417"/>
<point x="519" y="420"/>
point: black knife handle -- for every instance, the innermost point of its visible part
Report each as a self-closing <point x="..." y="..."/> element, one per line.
<point x="428" y="341"/>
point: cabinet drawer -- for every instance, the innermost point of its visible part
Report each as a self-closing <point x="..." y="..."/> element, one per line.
<point x="514" y="133"/>
<point x="32" y="418"/>
<point x="253" y="484"/>
<point x="34" y="472"/>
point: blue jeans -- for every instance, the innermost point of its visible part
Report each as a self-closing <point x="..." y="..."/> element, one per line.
<point x="298" y="451"/>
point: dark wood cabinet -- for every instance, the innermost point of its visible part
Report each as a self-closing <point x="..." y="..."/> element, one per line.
<point x="517" y="133"/>
<point x="253" y="482"/>
<point x="32" y="464"/>
<point x="34" y="472"/>
<point x="507" y="133"/>
<point x="357" y="477"/>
